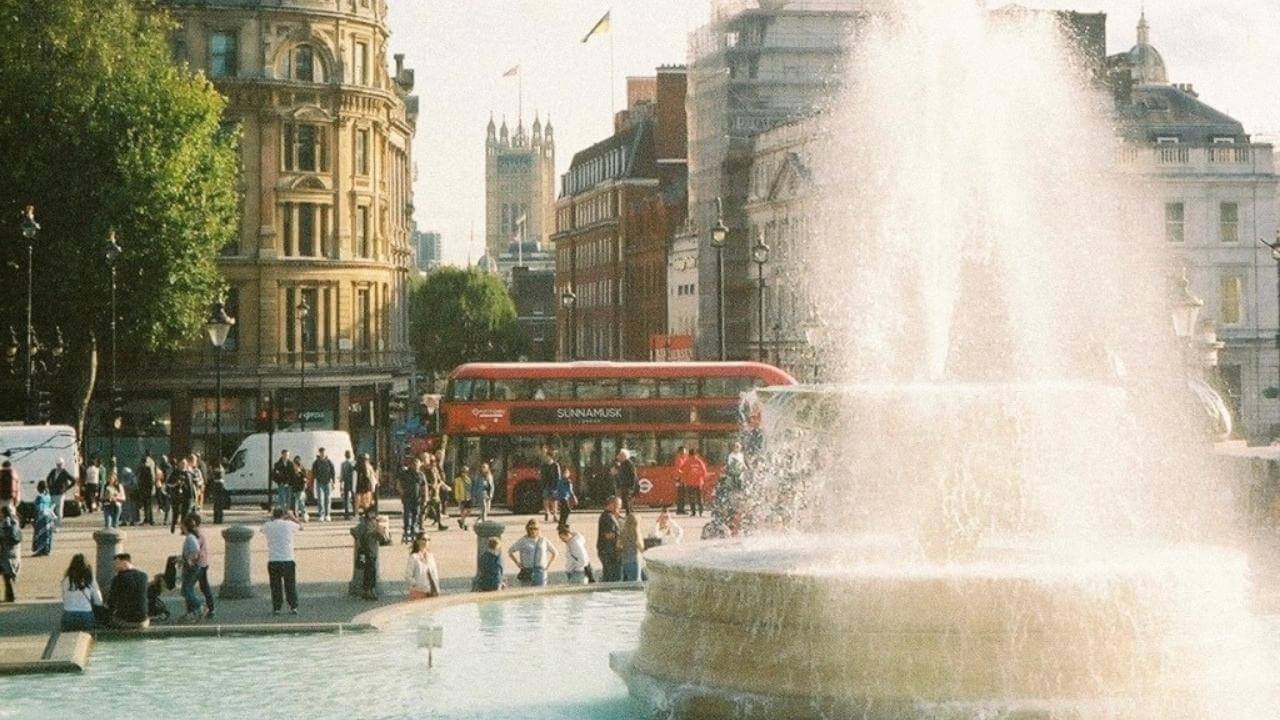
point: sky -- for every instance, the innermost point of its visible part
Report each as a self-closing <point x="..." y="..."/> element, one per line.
<point x="459" y="49"/>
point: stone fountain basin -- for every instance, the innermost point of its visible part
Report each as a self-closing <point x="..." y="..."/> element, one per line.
<point x="840" y="622"/>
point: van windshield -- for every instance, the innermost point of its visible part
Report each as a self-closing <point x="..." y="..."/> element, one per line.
<point x="237" y="461"/>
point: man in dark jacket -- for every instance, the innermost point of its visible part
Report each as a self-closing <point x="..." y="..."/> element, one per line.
<point x="609" y="540"/>
<point x="412" y="481"/>
<point x="146" y="487"/>
<point x="626" y="478"/>
<point x="369" y="537"/>
<point x="280" y="474"/>
<point x="127" y="598"/>
<point x="323" y="472"/>
<point x="182" y="494"/>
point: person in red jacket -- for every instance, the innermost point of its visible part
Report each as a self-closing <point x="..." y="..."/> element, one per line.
<point x="693" y="474"/>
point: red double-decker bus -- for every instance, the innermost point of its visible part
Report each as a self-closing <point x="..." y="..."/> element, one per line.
<point x="505" y="413"/>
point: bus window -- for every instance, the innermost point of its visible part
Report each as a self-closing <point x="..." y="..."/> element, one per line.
<point x="550" y="390"/>
<point x="597" y="389"/>
<point x="726" y="386"/>
<point x="643" y="447"/>
<point x="480" y="390"/>
<point x="639" y="388"/>
<point x="715" y="448"/>
<point x="460" y="390"/>
<point x="678" y="388"/>
<point x="526" y="450"/>
<point x="669" y="445"/>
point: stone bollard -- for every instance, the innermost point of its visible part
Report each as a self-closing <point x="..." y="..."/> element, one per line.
<point x="110" y="543"/>
<point x="486" y="529"/>
<point x="237" y="582"/>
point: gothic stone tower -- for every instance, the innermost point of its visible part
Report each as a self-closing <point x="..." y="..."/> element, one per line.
<point x="519" y="179"/>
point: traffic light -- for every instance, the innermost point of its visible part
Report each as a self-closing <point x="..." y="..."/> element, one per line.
<point x="42" y="407"/>
<point x="117" y="411"/>
<point x="262" y="420"/>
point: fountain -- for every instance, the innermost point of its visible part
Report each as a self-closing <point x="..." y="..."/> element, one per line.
<point x="1003" y="510"/>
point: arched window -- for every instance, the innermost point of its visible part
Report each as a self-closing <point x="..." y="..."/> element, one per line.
<point x="305" y="64"/>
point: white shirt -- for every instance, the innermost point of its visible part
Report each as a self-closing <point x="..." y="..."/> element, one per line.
<point x="91" y="475"/>
<point x="280" y="539"/>
<point x="77" y="600"/>
<point x="422" y="574"/>
<point x="671" y="536"/>
<point x="533" y="552"/>
<point x="576" y="558"/>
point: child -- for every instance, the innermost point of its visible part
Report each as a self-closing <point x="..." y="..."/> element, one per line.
<point x="490" y="576"/>
<point x="156" y="609"/>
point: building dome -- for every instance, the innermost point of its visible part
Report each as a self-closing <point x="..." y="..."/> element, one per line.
<point x="1145" y="63"/>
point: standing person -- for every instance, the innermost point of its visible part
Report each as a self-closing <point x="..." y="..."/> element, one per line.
<point x="129" y="494"/>
<point x="682" y="454"/>
<point x="632" y="547"/>
<point x="111" y="496"/>
<point x="482" y="490"/>
<point x="199" y="473"/>
<point x="347" y="477"/>
<point x="59" y="482"/>
<point x="163" y="470"/>
<point x="694" y="477"/>
<point x="127" y="596"/>
<point x="80" y="595"/>
<point x="626" y="478"/>
<point x="364" y="485"/>
<point x="489" y="573"/>
<point x="190" y="569"/>
<point x="42" y="540"/>
<point x="202" y="562"/>
<point x="323" y="473"/>
<point x="548" y="477"/>
<point x="422" y="574"/>
<point x="565" y="497"/>
<point x="369" y="539"/>
<point x="533" y="555"/>
<point x="609" y="540"/>
<point x="435" y="495"/>
<point x="410" y="480"/>
<point x="462" y="495"/>
<point x="182" y="493"/>
<point x="218" y="490"/>
<point x="282" y="570"/>
<point x="10" y="485"/>
<point x="146" y="475"/>
<point x="298" y="488"/>
<point x="280" y="474"/>
<point x="577" y="564"/>
<point x="10" y="549"/>
<point x="92" y="483"/>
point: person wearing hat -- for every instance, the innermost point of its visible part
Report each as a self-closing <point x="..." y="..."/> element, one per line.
<point x="532" y="554"/>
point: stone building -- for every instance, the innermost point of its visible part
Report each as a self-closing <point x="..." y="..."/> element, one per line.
<point x="326" y="130"/>
<point x="519" y="181"/>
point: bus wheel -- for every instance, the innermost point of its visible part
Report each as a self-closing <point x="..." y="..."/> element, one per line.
<point x="527" y="499"/>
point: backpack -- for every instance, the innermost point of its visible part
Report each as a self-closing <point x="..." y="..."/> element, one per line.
<point x="171" y="571"/>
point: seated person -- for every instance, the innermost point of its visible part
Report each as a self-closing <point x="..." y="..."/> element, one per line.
<point x="156" y="607"/>
<point x="490" y="576"/>
<point x="127" y="598"/>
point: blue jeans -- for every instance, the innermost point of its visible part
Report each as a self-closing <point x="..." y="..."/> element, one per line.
<point x="73" y="621"/>
<point x="190" y="576"/>
<point x="299" y="501"/>
<point x="630" y="569"/>
<point x="412" y="526"/>
<point x="348" y="499"/>
<point x="537" y="577"/>
<point x="324" y="495"/>
<point x="111" y="514"/>
<point x="284" y="497"/>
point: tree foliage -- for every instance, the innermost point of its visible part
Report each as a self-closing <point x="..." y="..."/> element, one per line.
<point x="101" y="131"/>
<point x="459" y="316"/>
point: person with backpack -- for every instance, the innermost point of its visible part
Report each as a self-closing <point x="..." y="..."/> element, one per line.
<point x="10" y="549"/>
<point x="533" y="555"/>
<point x="59" y="482"/>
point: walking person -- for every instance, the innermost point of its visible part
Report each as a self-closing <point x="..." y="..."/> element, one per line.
<point x="59" y="482"/>
<point x="199" y="474"/>
<point x="323" y="474"/>
<point x="128" y="496"/>
<point x="462" y="495"/>
<point x="369" y="538"/>
<point x="609" y="540"/>
<point x="682" y="454"/>
<point x="694" y="476"/>
<point x="411" y="481"/>
<point x="366" y="484"/>
<point x="201" y="561"/>
<point x="347" y="478"/>
<point x="163" y="470"/>
<point x="93" y="476"/>
<point x="146" y="475"/>
<point x="111" y="497"/>
<point x="577" y="563"/>
<point x="191" y="569"/>
<point x="298" y="489"/>
<point x="282" y="570"/>
<point x="632" y="548"/>
<point x="182" y="493"/>
<point x="565" y="497"/>
<point x="482" y="491"/>
<point x="10" y="485"/>
<point x="80" y="595"/>
<point x="42" y="537"/>
<point x="626" y="478"/>
<point x="10" y="549"/>
<point x="421" y="573"/>
<point x="281" y="472"/>
<point x="549" y="475"/>
<point x="436" y="490"/>
<point x="218" y="492"/>
<point x="532" y="555"/>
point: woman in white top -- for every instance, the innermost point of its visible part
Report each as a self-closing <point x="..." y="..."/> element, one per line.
<point x="421" y="572"/>
<point x="80" y="594"/>
<point x="666" y="530"/>
<point x="577" y="563"/>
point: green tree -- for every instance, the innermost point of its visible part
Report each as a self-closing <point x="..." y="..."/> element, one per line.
<point x="459" y="316"/>
<point x="101" y="131"/>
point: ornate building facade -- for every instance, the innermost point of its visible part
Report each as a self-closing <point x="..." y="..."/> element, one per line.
<point x="318" y="277"/>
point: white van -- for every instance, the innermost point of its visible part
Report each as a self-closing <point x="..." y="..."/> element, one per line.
<point x="34" y="450"/>
<point x="249" y="470"/>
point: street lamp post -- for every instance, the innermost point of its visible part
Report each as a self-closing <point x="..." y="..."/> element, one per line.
<point x="218" y="327"/>
<point x="1274" y="247"/>
<point x="30" y="228"/>
<point x="760" y="256"/>
<point x="570" y="302"/>
<point x="112" y="252"/>
<point x="720" y="236"/>
<point x="304" y="310"/>
<point x="1186" y="309"/>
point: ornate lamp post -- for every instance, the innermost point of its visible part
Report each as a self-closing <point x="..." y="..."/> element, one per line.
<point x="217" y="328"/>
<point x="1186" y="309"/>
<point x="112" y="252"/>
<point x="1274" y="247"/>
<point x="760" y="256"/>
<point x="304" y="311"/>
<point x="719" y="237"/>
<point x="30" y="228"/>
<point x="570" y="302"/>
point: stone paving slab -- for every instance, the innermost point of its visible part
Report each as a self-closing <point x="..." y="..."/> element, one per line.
<point x="56" y="653"/>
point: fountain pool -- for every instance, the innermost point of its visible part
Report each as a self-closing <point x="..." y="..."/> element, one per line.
<point x="536" y="658"/>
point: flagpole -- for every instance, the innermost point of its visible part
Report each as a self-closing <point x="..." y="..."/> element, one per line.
<point x="520" y="93"/>
<point x="613" y="105"/>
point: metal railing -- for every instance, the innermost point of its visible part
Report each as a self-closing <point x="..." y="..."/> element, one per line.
<point x="236" y="362"/>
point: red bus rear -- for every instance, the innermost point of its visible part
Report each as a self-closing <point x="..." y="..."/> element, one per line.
<point x="504" y="413"/>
